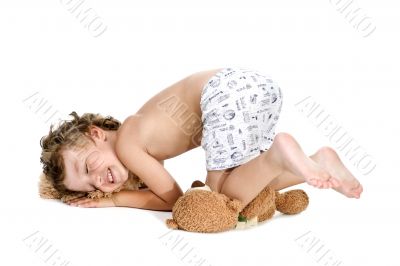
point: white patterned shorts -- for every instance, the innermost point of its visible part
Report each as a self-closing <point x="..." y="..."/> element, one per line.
<point x="240" y="109"/>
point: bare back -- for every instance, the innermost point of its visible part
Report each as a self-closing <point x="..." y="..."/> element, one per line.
<point x="169" y="123"/>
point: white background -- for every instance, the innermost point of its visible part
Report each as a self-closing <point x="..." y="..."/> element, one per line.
<point x="308" y="47"/>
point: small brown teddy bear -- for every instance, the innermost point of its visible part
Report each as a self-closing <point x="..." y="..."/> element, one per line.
<point x="206" y="211"/>
<point x="47" y="190"/>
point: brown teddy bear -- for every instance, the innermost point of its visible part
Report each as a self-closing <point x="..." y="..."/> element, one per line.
<point x="47" y="190"/>
<point x="206" y="211"/>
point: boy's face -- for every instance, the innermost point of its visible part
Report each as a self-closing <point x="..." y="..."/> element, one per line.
<point x="95" y="166"/>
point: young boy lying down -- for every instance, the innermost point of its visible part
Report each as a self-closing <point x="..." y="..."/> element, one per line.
<point x="230" y="112"/>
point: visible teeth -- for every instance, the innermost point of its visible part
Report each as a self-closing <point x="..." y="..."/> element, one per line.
<point x="109" y="175"/>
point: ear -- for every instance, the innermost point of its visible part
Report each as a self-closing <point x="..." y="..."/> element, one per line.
<point x="197" y="183"/>
<point x="171" y="224"/>
<point x="97" y="134"/>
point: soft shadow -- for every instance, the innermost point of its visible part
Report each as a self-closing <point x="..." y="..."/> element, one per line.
<point x="162" y="215"/>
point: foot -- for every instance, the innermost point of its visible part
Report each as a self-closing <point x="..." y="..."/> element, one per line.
<point x="348" y="185"/>
<point x="294" y="160"/>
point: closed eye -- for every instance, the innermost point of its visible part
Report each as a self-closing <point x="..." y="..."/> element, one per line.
<point x="87" y="172"/>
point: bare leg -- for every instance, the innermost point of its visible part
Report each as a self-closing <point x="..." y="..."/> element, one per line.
<point x="285" y="180"/>
<point x="328" y="159"/>
<point x="216" y="178"/>
<point x="325" y="157"/>
<point x="284" y="155"/>
<point x="288" y="179"/>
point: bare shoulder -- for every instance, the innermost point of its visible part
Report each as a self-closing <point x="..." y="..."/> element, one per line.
<point x="131" y="137"/>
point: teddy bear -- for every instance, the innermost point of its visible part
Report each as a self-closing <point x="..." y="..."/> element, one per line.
<point x="47" y="190"/>
<point x="205" y="211"/>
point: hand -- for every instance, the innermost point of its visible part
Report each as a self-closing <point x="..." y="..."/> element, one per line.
<point x="91" y="203"/>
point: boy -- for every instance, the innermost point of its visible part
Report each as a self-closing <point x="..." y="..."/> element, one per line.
<point x="231" y="112"/>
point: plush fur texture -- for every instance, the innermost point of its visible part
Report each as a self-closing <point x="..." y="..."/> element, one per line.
<point x="262" y="206"/>
<point x="291" y="202"/>
<point x="206" y="211"/>
<point x="47" y="190"/>
<point x="205" y="206"/>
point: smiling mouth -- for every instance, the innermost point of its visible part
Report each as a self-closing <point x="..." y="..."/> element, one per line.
<point x="110" y="176"/>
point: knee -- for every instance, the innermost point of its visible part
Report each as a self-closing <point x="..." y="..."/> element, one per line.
<point x="326" y="151"/>
<point x="282" y="138"/>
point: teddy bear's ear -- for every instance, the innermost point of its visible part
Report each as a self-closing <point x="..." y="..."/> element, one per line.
<point x="171" y="224"/>
<point x="235" y="205"/>
<point x="197" y="183"/>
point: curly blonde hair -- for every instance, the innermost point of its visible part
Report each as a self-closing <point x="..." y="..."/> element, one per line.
<point x="69" y="134"/>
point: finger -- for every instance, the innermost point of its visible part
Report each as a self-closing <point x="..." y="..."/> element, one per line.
<point x="88" y="204"/>
<point x="72" y="202"/>
<point x="76" y="199"/>
<point x="79" y="202"/>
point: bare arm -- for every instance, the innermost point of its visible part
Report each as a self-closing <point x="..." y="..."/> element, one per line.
<point x="143" y="199"/>
<point x="163" y="190"/>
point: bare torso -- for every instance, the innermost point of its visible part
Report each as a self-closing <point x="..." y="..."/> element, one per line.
<point x="169" y="123"/>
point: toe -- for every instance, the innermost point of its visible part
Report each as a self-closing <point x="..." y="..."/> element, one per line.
<point x="356" y="193"/>
<point x="359" y="190"/>
<point x="334" y="182"/>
